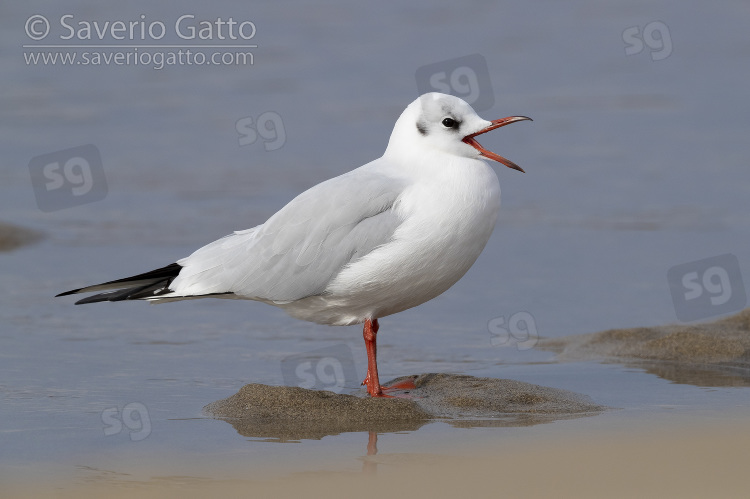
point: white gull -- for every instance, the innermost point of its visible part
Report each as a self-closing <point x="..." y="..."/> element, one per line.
<point x="380" y="239"/>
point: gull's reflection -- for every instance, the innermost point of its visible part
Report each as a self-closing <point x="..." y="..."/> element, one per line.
<point x="370" y="466"/>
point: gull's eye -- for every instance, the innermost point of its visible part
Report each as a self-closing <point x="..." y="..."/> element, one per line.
<point x="450" y="123"/>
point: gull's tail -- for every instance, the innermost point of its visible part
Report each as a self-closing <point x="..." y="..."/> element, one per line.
<point x="138" y="287"/>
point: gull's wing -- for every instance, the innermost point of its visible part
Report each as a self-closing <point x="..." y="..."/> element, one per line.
<point x="301" y="248"/>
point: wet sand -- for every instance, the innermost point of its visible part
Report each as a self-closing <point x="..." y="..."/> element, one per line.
<point x="710" y="354"/>
<point x="291" y="413"/>
<point x="690" y="459"/>
<point x="613" y="455"/>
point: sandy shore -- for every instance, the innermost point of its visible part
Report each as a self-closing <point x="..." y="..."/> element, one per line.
<point x="691" y="459"/>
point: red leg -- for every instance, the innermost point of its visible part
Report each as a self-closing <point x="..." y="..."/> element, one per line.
<point x="370" y="333"/>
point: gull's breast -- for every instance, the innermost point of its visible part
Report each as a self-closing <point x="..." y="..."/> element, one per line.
<point x="447" y="223"/>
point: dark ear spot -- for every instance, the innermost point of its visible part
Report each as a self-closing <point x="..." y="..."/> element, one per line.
<point x="422" y="127"/>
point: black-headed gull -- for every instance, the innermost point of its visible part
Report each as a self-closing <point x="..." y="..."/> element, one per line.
<point x="378" y="240"/>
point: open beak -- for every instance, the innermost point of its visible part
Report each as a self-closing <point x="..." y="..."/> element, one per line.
<point x="469" y="139"/>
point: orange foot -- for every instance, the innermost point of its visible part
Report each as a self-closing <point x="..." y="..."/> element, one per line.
<point x="379" y="391"/>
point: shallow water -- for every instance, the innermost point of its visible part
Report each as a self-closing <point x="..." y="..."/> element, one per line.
<point x="635" y="164"/>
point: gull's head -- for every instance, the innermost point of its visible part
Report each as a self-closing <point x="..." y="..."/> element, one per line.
<point x="448" y="124"/>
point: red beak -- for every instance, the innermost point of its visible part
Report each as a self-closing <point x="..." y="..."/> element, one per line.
<point x="469" y="139"/>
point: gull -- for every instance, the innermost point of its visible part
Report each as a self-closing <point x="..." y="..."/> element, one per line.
<point x="378" y="240"/>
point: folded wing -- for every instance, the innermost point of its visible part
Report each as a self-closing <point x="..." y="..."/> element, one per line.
<point x="300" y="249"/>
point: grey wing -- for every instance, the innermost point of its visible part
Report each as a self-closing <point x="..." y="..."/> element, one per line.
<point x="301" y="248"/>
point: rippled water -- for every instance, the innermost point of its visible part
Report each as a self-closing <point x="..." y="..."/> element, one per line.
<point x="635" y="164"/>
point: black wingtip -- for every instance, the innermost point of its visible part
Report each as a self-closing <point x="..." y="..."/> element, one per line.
<point x="96" y="298"/>
<point x="134" y="283"/>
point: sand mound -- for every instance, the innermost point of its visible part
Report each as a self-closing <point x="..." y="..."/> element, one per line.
<point x="711" y="354"/>
<point x="291" y="413"/>
<point x="461" y="396"/>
